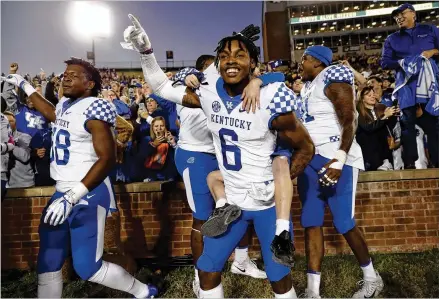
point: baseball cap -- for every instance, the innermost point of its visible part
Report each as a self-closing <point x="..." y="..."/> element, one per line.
<point x="322" y="53"/>
<point x="402" y="7"/>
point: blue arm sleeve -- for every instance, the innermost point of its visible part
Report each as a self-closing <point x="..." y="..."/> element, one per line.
<point x="272" y="78"/>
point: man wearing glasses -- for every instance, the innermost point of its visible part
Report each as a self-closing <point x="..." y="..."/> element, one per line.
<point x="413" y="39"/>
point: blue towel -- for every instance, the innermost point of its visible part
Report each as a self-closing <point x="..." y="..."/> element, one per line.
<point x="416" y="82"/>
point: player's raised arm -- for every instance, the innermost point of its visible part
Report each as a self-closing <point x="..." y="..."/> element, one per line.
<point x="136" y="38"/>
<point x="45" y="107"/>
<point x="291" y="131"/>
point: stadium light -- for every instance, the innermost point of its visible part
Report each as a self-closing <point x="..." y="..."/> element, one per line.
<point x="89" y="20"/>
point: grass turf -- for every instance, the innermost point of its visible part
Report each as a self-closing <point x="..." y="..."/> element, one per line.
<point x="409" y="275"/>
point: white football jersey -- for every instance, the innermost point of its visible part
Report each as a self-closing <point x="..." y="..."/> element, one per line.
<point x="72" y="154"/>
<point x="244" y="141"/>
<point x="319" y="116"/>
<point x="194" y="134"/>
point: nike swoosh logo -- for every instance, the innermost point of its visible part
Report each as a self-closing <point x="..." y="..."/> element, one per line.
<point x="242" y="270"/>
<point x="68" y="112"/>
<point x="90" y="196"/>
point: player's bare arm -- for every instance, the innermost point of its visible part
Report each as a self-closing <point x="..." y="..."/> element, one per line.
<point x="191" y="99"/>
<point x="291" y="130"/>
<point x="105" y="148"/>
<point x="342" y="97"/>
<point x="45" y="107"/>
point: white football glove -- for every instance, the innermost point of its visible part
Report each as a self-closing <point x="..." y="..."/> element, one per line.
<point x="20" y="82"/>
<point x="60" y="209"/>
<point x="135" y="37"/>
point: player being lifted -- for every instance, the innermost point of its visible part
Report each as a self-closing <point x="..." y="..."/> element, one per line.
<point x="82" y="155"/>
<point x="243" y="146"/>
<point x="328" y="113"/>
<point x="195" y="159"/>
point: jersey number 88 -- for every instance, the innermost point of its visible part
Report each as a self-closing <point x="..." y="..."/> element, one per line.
<point x="61" y="142"/>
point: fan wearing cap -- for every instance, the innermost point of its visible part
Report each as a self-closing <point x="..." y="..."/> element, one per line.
<point x="413" y="39"/>
<point x="328" y="113"/>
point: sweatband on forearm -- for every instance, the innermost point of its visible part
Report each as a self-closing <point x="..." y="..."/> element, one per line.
<point x="159" y="82"/>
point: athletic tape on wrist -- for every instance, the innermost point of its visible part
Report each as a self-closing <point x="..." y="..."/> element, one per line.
<point x="27" y="88"/>
<point x="341" y="156"/>
<point x="79" y="191"/>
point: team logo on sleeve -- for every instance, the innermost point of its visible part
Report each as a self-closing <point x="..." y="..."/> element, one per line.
<point x="216" y="106"/>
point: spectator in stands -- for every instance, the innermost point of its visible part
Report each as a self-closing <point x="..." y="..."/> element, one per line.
<point x="21" y="174"/>
<point x="7" y="145"/>
<point x="122" y="108"/>
<point x="413" y="39"/>
<point x="377" y="85"/>
<point x="40" y="156"/>
<point x="297" y="85"/>
<point x="372" y="132"/>
<point x="155" y="156"/>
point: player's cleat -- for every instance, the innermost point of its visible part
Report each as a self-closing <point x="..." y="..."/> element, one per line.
<point x="219" y="220"/>
<point x="196" y="288"/>
<point x="152" y="291"/>
<point x="309" y="294"/>
<point x="369" y="289"/>
<point x="248" y="268"/>
<point x="283" y="249"/>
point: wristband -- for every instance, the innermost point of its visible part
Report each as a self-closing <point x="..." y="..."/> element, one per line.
<point x="149" y="51"/>
<point x="341" y="156"/>
<point x="27" y="88"/>
<point x="77" y="192"/>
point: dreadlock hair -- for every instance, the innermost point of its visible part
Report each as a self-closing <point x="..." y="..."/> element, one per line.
<point x="243" y="42"/>
<point x="201" y="61"/>
<point x="91" y="72"/>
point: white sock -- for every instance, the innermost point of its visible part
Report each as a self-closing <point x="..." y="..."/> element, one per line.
<point x="281" y="225"/>
<point x="115" y="277"/>
<point x="241" y="255"/>
<point x="369" y="272"/>
<point x="314" y="282"/>
<point x="217" y="292"/>
<point x="50" y="285"/>
<point x="290" y="294"/>
<point x="197" y="279"/>
<point x="220" y="203"/>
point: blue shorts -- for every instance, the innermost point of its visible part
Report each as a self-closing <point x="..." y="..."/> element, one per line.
<point x="194" y="168"/>
<point x="217" y="250"/>
<point x="314" y="197"/>
<point x="82" y="234"/>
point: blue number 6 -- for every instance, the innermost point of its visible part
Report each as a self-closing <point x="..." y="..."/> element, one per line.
<point x="230" y="148"/>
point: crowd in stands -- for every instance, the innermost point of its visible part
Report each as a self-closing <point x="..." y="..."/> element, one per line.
<point x="147" y="126"/>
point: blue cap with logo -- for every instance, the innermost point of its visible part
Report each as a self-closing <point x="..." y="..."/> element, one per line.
<point x="322" y="53"/>
<point x="401" y="8"/>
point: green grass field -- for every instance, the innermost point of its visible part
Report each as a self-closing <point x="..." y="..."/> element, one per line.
<point x="413" y="275"/>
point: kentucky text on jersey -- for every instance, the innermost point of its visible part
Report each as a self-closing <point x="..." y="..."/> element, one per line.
<point x="230" y="121"/>
<point x="62" y="123"/>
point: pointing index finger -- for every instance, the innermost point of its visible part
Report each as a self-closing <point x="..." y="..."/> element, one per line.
<point x="135" y="21"/>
